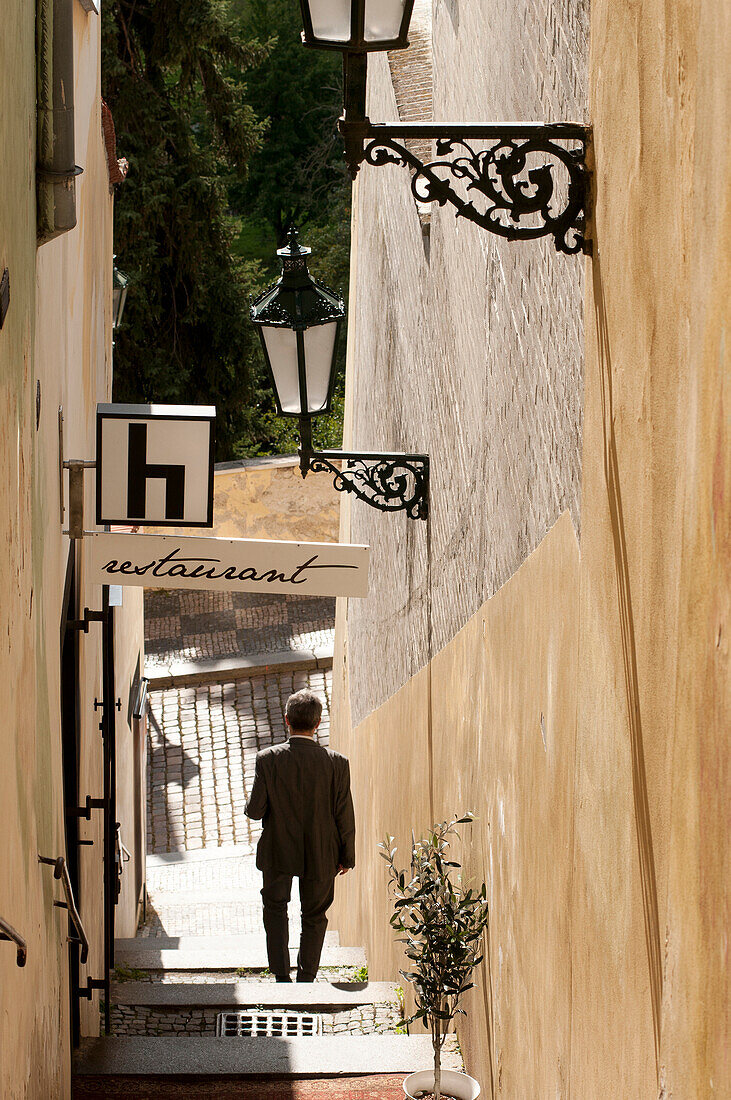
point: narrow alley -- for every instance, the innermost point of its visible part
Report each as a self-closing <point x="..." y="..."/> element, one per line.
<point x="194" y="979"/>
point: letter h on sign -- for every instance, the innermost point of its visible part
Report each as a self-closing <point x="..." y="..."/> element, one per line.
<point x="154" y="465"/>
<point x="139" y="470"/>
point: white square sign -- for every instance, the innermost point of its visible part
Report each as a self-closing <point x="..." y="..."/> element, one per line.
<point x="154" y="465"/>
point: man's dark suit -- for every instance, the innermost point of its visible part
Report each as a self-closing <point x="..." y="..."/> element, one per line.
<point x="301" y="792"/>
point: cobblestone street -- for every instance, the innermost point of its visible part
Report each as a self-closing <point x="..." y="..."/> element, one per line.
<point x="202" y="744"/>
<point x="189" y="626"/>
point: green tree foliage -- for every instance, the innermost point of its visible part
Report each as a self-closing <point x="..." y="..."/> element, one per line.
<point x="296" y="177"/>
<point x="299" y="172"/>
<point x="228" y="124"/>
<point x="172" y="71"/>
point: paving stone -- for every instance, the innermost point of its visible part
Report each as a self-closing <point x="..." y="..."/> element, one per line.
<point x="184" y="784"/>
<point x="225" y="624"/>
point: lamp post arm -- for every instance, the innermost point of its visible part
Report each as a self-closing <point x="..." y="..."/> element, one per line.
<point x="353" y="124"/>
<point x="532" y="178"/>
<point x="389" y="481"/>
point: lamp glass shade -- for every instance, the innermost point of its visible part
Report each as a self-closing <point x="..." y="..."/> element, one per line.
<point x="281" y="347"/>
<point x="356" y="25"/>
<point x="319" y="351"/>
<point x="331" y="19"/>
<point x="383" y="20"/>
<point x="318" y="344"/>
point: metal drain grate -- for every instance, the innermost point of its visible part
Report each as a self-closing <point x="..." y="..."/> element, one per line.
<point x="282" y="1025"/>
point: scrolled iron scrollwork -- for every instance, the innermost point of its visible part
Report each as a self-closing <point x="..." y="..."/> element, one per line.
<point x="535" y="186"/>
<point x="391" y="483"/>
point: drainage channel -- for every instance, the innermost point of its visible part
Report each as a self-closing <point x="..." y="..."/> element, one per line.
<point x="248" y="1023"/>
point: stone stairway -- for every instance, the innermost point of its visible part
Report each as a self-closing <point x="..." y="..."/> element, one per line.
<point x="174" y="979"/>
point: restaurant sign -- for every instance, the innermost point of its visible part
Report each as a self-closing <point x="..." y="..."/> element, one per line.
<point x="233" y="565"/>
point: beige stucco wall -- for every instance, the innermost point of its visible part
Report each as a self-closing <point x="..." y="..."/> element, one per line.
<point x="57" y="334"/>
<point x="654" y="707"/>
<point x="498" y="738"/>
<point x="583" y="711"/>
<point x="269" y="499"/>
<point x="34" y="998"/>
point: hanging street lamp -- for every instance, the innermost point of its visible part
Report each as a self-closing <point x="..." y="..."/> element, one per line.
<point x="360" y="25"/>
<point x="299" y="321"/>
<point x="531" y="178"/>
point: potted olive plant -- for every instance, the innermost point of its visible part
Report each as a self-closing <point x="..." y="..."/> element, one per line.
<point x="441" y="922"/>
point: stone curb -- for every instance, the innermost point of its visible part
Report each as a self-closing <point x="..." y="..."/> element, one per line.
<point x="217" y="671"/>
<point x="247" y="994"/>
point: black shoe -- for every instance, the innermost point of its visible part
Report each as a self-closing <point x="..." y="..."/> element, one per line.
<point x="283" y="978"/>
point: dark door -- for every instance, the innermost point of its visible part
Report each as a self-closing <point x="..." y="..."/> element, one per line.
<point x="108" y="727"/>
<point x="70" y="762"/>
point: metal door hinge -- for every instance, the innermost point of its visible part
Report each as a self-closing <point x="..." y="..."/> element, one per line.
<point x="91" y="984"/>
<point x="89" y="617"/>
<point x="91" y="804"/>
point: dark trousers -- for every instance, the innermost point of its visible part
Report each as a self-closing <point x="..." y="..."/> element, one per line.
<point x="316" y="897"/>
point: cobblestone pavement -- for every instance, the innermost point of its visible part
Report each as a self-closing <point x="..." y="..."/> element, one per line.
<point x="190" y="626"/>
<point x="202" y="742"/>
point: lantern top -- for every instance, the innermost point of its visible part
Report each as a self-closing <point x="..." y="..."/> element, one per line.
<point x="296" y="300"/>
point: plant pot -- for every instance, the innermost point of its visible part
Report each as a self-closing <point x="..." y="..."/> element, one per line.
<point x="458" y="1084"/>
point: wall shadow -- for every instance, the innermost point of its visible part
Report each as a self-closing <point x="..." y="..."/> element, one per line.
<point x="629" y="658"/>
<point x="187" y="771"/>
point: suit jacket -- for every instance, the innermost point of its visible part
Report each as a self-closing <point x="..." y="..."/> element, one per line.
<point x="301" y="793"/>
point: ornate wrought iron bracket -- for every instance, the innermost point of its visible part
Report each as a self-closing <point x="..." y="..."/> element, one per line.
<point x="388" y="482"/>
<point x="527" y="180"/>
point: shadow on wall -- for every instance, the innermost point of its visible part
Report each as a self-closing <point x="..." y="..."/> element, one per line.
<point x="487" y="995"/>
<point x="629" y="656"/>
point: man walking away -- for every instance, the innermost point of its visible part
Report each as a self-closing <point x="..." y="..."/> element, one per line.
<point x="301" y="793"/>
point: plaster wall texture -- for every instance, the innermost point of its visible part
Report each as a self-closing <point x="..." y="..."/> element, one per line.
<point x="490" y="725"/>
<point x="583" y="710"/>
<point x="57" y="334"/>
<point x="654" y="708"/>
<point x="464" y="348"/>
<point x="270" y="500"/>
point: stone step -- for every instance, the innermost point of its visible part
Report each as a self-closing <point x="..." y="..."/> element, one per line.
<point x="217" y="953"/>
<point x="224" y="669"/>
<point x="213" y="918"/>
<point x="224" y="995"/>
<point x="321" y="1056"/>
<point x="158" y="860"/>
<point x="181" y="906"/>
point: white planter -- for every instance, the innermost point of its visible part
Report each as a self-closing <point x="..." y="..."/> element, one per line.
<point x="458" y="1084"/>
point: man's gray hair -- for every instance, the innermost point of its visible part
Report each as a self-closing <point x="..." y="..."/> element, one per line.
<point x="303" y="710"/>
